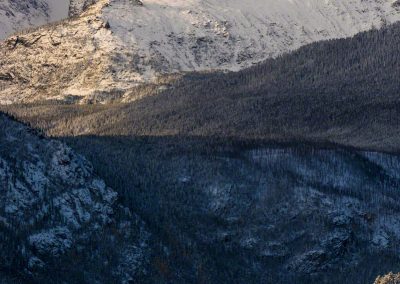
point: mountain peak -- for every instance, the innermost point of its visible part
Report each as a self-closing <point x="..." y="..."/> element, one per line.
<point x="116" y="45"/>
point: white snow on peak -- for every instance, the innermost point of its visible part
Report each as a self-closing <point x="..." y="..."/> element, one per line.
<point x="16" y="15"/>
<point x="186" y="35"/>
<point x="134" y="42"/>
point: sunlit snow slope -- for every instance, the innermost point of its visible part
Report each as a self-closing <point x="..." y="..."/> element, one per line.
<point x="202" y="34"/>
<point x="116" y="44"/>
<point x="21" y="14"/>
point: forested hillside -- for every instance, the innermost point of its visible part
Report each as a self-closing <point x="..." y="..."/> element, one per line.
<point x="206" y="164"/>
<point x="342" y="91"/>
<point x="58" y="220"/>
<point x="213" y="214"/>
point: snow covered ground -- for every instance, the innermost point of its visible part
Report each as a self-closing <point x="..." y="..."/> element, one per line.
<point x="51" y="204"/>
<point x="187" y="35"/>
<point x="115" y="45"/>
<point x="16" y="15"/>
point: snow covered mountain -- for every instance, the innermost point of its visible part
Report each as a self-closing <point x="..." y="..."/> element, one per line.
<point x="278" y="214"/>
<point x="192" y="35"/>
<point x="115" y="45"/>
<point x="286" y="215"/>
<point x="52" y="207"/>
<point x="21" y="14"/>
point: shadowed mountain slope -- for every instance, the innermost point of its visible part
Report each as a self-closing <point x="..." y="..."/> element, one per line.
<point x="259" y="213"/>
<point x="58" y="220"/>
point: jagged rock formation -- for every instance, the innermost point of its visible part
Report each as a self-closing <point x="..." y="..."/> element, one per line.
<point x="79" y="49"/>
<point x="54" y="211"/>
<point x="115" y="45"/>
<point x="16" y="15"/>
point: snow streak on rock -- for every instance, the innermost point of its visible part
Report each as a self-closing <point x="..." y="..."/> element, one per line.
<point x="53" y="206"/>
<point x="16" y="15"/>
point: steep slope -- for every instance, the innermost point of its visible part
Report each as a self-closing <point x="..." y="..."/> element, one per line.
<point x="260" y="214"/>
<point x="16" y="15"/>
<point x="196" y="162"/>
<point x="341" y="91"/>
<point x="224" y="213"/>
<point x="54" y="212"/>
<point x="58" y="59"/>
<point x="229" y="207"/>
<point x="115" y="45"/>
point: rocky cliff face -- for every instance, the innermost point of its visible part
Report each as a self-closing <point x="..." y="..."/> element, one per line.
<point x="115" y="45"/>
<point x="54" y="211"/>
<point x="16" y="15"/>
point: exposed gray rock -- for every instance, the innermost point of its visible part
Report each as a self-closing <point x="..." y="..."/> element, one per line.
<point x="51" y="243"/>
<point x="53" y="207"/>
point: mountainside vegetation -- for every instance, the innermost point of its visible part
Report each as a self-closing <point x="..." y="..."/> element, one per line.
<point x="217" y="213"/>
<point x="59" y="222"/>
<point x="241" y="175"/>
<point x="341" y="91"/>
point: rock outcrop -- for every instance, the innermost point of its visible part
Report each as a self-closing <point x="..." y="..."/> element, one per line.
<point x="54" y="210"/>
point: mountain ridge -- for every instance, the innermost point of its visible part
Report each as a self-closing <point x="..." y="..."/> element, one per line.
<point x="340" y="91"/>
<point x="113" y="52"/>
<point x="18" y="15"/>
